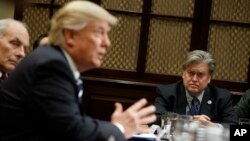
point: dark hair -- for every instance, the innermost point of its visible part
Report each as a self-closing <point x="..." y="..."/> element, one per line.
<point x="37" y="41"/>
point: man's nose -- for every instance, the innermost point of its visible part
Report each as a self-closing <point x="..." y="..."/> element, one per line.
<point x="106" y="41"/>
<point x="194" y="77"/>
<point x="20" y="53"/>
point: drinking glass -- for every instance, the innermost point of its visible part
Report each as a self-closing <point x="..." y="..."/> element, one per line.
<point x="168" y="120"/>
<point x="185" y="118"/>
<point x="172" y="119"/>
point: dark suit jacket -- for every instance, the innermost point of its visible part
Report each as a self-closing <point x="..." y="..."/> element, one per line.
<point x="173" y="98"/>
<point x="242" y="108"/>
<point x="38" y="102"/>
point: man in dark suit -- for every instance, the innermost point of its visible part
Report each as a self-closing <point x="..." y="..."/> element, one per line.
<point x="242" y="108"/>
<point x="14" y="38"/>
<point x="40" y="100"/>
<point x="214" y="104"/>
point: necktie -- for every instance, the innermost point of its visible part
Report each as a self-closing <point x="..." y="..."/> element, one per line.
<point x="195" y="106"/>
<point x="79" y="89"/>
<point x="4" y="76"/>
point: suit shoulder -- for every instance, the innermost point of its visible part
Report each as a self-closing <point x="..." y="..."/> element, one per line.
<point x="219" y="91"/>
<point x="166" y="86"/>
<point x="170" y="88"/>
<point x="45" y="55"/>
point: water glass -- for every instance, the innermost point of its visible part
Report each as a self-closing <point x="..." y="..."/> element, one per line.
<point x="170" y="119"/>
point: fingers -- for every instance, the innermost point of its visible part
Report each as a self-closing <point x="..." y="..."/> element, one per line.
<point x="197" y="117"/>
<point x="204" y="119"/>
<point x="148" y="119"/>
<point x="146" y="111"/>
<point x="118" y="108"/>
<point x="146" y="114"/>
<point x="135" y="118"/>
<point x="138" y="105"/>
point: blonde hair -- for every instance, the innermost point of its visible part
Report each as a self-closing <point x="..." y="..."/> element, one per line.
<point x="75" y="15"/>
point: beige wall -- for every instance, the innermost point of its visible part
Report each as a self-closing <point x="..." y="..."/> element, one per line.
<point x="6" y="10"/>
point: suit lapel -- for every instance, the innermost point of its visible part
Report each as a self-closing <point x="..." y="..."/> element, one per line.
<point x="206" y="104"/>
<point x="72" y="76"/>
<point x="181" y="101"/>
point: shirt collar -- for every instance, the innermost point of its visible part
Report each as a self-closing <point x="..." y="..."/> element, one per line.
<point x="72" y="64"/>
<point x="190" y="98"/>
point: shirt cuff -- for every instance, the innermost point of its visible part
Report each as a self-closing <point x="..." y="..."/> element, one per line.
<point x="121" y="128"/>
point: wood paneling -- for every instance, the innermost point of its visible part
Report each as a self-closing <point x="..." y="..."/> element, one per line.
<point x="100" y="95"/>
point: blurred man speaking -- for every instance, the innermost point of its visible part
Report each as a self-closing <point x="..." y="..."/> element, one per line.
<point x="41" y="99"/>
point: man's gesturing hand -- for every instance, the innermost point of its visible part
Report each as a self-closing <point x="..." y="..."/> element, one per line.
<point x="135" y="119"/>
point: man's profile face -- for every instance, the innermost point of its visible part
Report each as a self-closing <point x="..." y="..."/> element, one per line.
<point x="12" y="47"/>
<point x="196" y="77"/>
<point x="89" y="45"/>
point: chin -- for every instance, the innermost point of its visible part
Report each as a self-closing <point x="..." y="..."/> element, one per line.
<point x="194" y="91"/>
<point x="9" y="69"/>
<point x="98" y="63"/>
<point x="93" y="66"/>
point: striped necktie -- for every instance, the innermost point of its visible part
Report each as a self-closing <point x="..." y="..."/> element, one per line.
<point x="195" y="106"/>
<point x="4" y="76"/>
<point x="79" y="89"/>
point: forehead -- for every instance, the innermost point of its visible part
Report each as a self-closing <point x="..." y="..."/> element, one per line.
<point x="198" y="67"/>
<point x="98" y="24"/>
<point x="18" y="32"/>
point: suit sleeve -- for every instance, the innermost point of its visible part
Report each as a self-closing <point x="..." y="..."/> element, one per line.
<point x="228" y="114"/>
<point x="161" y="104"/>
<point x="243" y="106"/>
<point x="55" y="107"/>
<point x="160" y="101"/>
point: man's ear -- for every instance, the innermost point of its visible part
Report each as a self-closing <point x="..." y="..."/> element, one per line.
<point x="209" y="80"/>
<point x="68" y="37"/>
